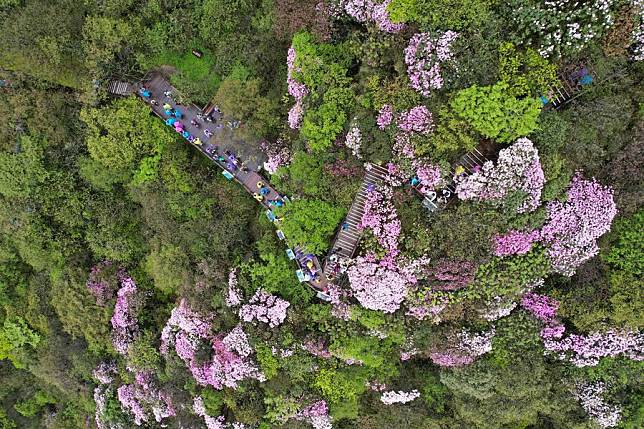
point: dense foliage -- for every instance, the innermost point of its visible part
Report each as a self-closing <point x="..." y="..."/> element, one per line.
<point x="140" y="288"/>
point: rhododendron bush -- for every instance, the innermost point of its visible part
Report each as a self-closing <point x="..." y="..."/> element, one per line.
<point x="573" y="226"/>
<point x="229" y="361"/>
<point x="517" y="169"/>
<point x="425" y="56"/>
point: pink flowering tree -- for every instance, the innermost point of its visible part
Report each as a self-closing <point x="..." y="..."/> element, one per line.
<point x="265" y="308"/>
<point x="591" y="396"/>
<point x="296" y="89"/>
<point x="429" y="177"/>
<point x="398" y="397"/>
<point x="353" y="141"/>
<point x="278" y="155"/>
<point x="416" y="120"/>
<point x="514" y="242"/>
<point x="377" y="286"/>
<point x="381" y="218"/>
<point x="229" y="361"/>
<point x="234" y="296"/>
<point x="573" y="227"/>
<point x="124" y="324"/>
<point x="219" y="422"/>
<point x="317" y="414"/>
<point x="580" y="350"/>
<point x="100" y="282"/>
<point x="371" y="11"/>
<point x="517" y="169"/>
<point x="385" y="116"/>
<point x="425" y="56"/>
<point x="141" y="396"/>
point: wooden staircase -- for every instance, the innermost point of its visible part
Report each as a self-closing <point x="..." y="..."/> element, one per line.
<point x="470" y="162"/>
<point x="346" y="241"/>
<point x="120" y="88"/>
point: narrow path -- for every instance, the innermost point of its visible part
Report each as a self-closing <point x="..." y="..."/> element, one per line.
<point x="239" y="160"/>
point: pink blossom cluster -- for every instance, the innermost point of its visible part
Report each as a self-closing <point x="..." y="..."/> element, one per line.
<point x="100" y="400"/>
<point x="317" y="414"/>
<point x="518" y="169"/>
<point x="514" y="242"/>
<point x="542" y="307"/>
<point x="135" y="398"/>
<point x="229" y="362"/>
<point x="429" y="176"/>
<point x="295" y="115"/>
<point x="573" y="227"/>
<point x="424" y="56"/>
<point x="353" y="141"/>
<point x="233" y="296"/>
<point x="278" y="155"/>
<point x="98" y="287"/>
<point x="367" y="10"/>
<point x="468" y="346"/>
<point x="104" y="372"/>
<point x="398" y="397"/>
<point x="402" y="147"/>
<point x="381" y="218"/>
<point x="591" y="397"/>
<point x="124" y="325"/>
<point x="395" y="175"/>
<point x="296" y="89"/>
<point x="416" y="120"/>
<point x="385" y="116"/>
<point x="265" y="308"/>
<point x="587" y="350"/>
<point x="581" y="350"/>
<point x="213" y="422"/>
<point x="379" y="285"/>
<point x="422" y="311"/>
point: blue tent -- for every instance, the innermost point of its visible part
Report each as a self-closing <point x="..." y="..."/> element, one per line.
<point x="227" y="175"/>
<point x="168" y="112"/>
<point x="170" y="121"/>
<point x="185" y="134"/>
<point x="178" y="114"/>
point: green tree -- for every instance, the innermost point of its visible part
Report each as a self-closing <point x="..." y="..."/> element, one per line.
<point x="495" y="113"/>
<point x="310" y="223"/>
<point x="15" y="340"/>
<point x="432" y="14"/>
<point x="121" y="135"/>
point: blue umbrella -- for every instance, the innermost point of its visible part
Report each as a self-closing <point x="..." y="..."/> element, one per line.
<point x="186" y="134"/>
<point x="170" y="121"/>
<point x="264" y="191"/>
<point x="168" y="112"/>
<point x="178" y="114"/>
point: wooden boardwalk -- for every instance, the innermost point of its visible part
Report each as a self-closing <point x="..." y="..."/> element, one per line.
<point x="348" y="236"/>
<point x="239" y="160"/>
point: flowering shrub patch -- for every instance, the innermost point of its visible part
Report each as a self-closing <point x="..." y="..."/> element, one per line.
<point x="517" y="169"/>
<point x="573" y="227"/>
<point x="230" y="354"/>
<point x="124" y="324"/>
<point x="266" y="308"/>
<point x="514" y="242"/>
<point x="368" y="10"/>
<point x="424" y="56"/>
